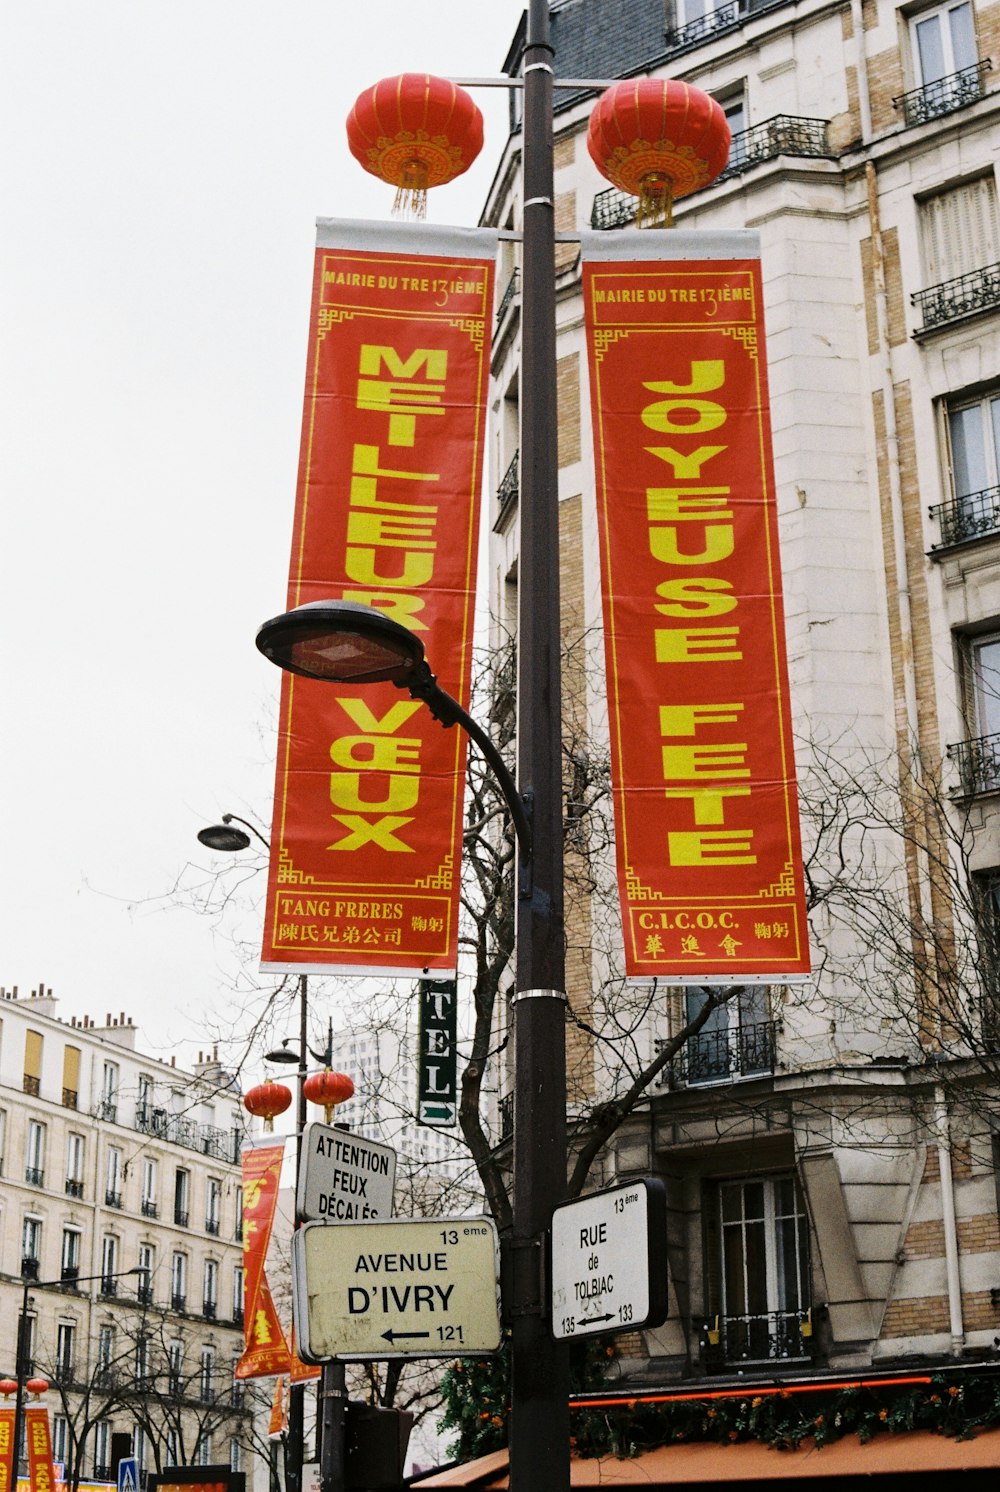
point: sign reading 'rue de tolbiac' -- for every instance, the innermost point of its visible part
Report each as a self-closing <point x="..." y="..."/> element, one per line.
<point x="396" y="1289"/>
<point x="609" y="1260"/>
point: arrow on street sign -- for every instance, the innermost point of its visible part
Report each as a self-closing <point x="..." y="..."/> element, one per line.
<point x="403" y="1336"/>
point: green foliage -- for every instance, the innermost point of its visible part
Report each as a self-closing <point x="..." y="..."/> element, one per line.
<point x="477" y="1393"/>
<point x="948" y="1405"/>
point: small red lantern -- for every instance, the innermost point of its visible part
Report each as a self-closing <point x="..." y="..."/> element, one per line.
<point x="267" y="1100"/>
<point x="658" y="139"/>
<point x="37" y="1386"/>
<point x="8" y="1386"/>
<point x="415" y="131"/>
<point x="329" y="1089"/>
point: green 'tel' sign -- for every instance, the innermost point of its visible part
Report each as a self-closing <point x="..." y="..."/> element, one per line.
<point x="437" y="1075"/>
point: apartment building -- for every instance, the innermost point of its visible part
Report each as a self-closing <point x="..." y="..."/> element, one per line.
<point x="120" y="1228"/>
<point x="829" y="1149"/>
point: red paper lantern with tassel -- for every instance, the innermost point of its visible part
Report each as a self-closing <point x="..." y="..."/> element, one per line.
<point x="8" y="1386"/>
<point x="415" y="131"/>
<point x="267" y="1100"/>
<point x="37" y="1386"/>
<point x="328" y="1088"/>
<point x="658" y="139"/>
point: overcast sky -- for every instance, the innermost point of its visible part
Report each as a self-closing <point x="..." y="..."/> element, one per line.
<point x="163" y="165"/>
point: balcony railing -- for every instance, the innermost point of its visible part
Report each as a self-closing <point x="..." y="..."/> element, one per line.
<point x="109" y="1286"/>
<point x="718" y="21"/>
<point x="979" y="290"/>
<point x="212" y="1225"/>
<point x="506" y="300"/>
<point x="33" y="1176"/>
<point x="69" y="1274"/>
<point x="208" y="1139"/>
<point x="70" y="1098"/>
<point x="181" y="1217"/>
<point x="149" y="1207"/>
<point x="507" y="493"/>
<point x="179" y="1300"/>
<point x="144" y="1294"/>
<point x="32" y="1086"/>
<point x="29" y="1267"/>
<point x="237" y="1315"/>
<point x="770" y="1337"/>
<point x="112" y="1198"/>
<point x="978" y="765"/>
<point x="74" y="1186"/>
<point x="944" y="95"/>
<point x="969" y="517"/>
<point x="107" y="1108"/>
<point x="208" y="1309"/>
<point x="745" y="1051"/>
<point x="784" y="134"/>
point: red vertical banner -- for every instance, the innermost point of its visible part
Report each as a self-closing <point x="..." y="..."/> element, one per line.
<point x="709" y="857"/>
<point x="41" y="1471"/>
<point x="367" y="823"/>
<point x="266" y="1350"/>
<point x="6" y="1450"/>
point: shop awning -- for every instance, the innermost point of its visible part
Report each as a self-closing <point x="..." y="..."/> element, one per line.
<point x="920" y="1457"/>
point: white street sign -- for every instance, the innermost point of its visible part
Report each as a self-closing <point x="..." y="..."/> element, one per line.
<point x="344" y="1178"/>
<point x="609" y="1266"/>
<point x="396" y="1289"/>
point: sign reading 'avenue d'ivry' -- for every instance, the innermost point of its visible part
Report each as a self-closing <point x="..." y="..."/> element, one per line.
<point x="609" y="1260"/>
<point x="343" y="1177"/>
<point x="396" y="1289"/>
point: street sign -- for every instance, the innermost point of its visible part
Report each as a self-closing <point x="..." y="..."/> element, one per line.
<point x="437" y="1070"/>
<point x="609" y="1260"/>
<point x="344" y="1178"/>
<point x="395" y="1289"/>
<point x="128" y="1474"/>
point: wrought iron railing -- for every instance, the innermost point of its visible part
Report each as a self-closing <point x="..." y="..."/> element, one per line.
<point x="507" y="492"/>
<point x="979" y="290"/>
<point x="29" y="1267"/>
<point x="149" y="1207"/>
<point x="69" y="1274"/>
<point x="744" y="1051"/>
<point x="179" y="1300"/>
<point x="208" y="1308"/>
<point x="969" y="517"/>
<point x="112" y="1198"/>
<point x="107" y="1108"/>
<point x="70" y="1098"/>
<point x="212" y="1225"/>
<point x="74" y="1187"/>
<point x="944" y="95"/>
<point x="32" y="1085"/>
<point x="209" y="1139"/>
<point x="144" y="1294"/>
<point x="109" y="1286"/>
<point x="513" y="289"/>
<point x="33" y="1176"/>
<point x="766" y="1337"/>
<point x="181" y="1217"/>
<point x="978" y="764"/>
<point x="506" y="1116"/>
<point x="693" y="33"/>
<point x="784" y="134"/>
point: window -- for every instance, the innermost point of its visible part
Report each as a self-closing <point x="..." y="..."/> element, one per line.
<point x="34" y="1157"/>
<point x="139" y="1447"/>
<point x="175" y="1366"/>
<point x="3" y="1137"/>
<point x="65" y="1350"/>
<point x="147" y="1264"/>
<point x="735" y="110"/>
<point x="74" y="1165"/>
<point x="69" y="1267"/>
<point x="109" y="1264"/>
<point x="102" y="1450"/>
<point x="178" y="1281"/>
<point x="973" y="443"/>
<point x="238" y="1231"/>
<point x="173" y="1447"/>
<point x="143" y="1361"/>
<point x="150" y="1187"/>
<point x="30" y="1325"/>
<point x="61" y="1444"/>
<point x="944" y="42"/>
<point x="144" y="1097"/>
<point x="182" y="1192"/>
<point x="213" y="1205"/>
<point x="33" y="1063"/>
<point x="238" y="1294"/>
<point x="235" y="1454"/>
<point x="737" y="1040"/>
<point x="31" y="1246"/>
<point x="203" y="1450"/>
<point x="206" y="1372"/>
<point x="697" y="18"/>
<point x="71" y="1077"/>
<point x="984" y="671"/>
<point x="105" y="1352"/>
<point x="960" y="230"/>
<point x="109" y="1092"/>
<point x="210" y="1289"/>
<point x="113" y="1177"/>
<point x="758" y="1268"/>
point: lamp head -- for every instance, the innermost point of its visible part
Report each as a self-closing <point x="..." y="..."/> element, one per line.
<point x="342" y="642"/>
<point x="224" y="837"/>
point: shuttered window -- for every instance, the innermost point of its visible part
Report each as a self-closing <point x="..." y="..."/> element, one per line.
<point x="32" y="1062"/>
<point x="960" y="230"/>
<point x="71" y="1076"/>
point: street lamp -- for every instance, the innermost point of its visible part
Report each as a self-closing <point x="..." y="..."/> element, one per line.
<point x="21" y="1350"/>
<point x="539" y="1452"/>
<point x="223" y="836"/>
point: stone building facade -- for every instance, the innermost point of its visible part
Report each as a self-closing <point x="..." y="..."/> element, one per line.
<point x="829" y="1149"/>
<point x="120" y="1226"/>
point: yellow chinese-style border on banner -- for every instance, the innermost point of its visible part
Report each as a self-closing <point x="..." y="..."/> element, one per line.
<point x="367" y="824"/>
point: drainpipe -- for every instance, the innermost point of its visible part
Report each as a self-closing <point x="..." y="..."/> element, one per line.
<point x="950" y="1226"/>
<point x="861" y="67"/>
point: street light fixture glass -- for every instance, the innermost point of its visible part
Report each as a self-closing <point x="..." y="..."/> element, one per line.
<point x="224" y="837"/>
<point x="342" y="642"/>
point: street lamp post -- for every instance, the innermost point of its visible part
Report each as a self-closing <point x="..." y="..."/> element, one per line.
<point x="21" y="1370"/>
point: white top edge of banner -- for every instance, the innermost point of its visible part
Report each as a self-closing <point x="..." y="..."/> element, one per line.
<point x="671" y="243"/>
<point x="406" y="238"/>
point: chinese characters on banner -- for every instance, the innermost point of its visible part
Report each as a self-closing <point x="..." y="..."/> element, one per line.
<point x="266" y="1350"/>
<point x="6" y="1449"/>
<point x="367" y="819"/>
<point x="709" y="860"/>
<point x="41" y="1472"/>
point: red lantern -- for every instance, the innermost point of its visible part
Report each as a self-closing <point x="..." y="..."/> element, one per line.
<point x="415" y="131"/>
<point x="37" y="1386"/>
<point x="8" y="1386"/>
<point x="266" y="1100"/>
<point x="328" y="1088"/>
<point x="658" y="139"/>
